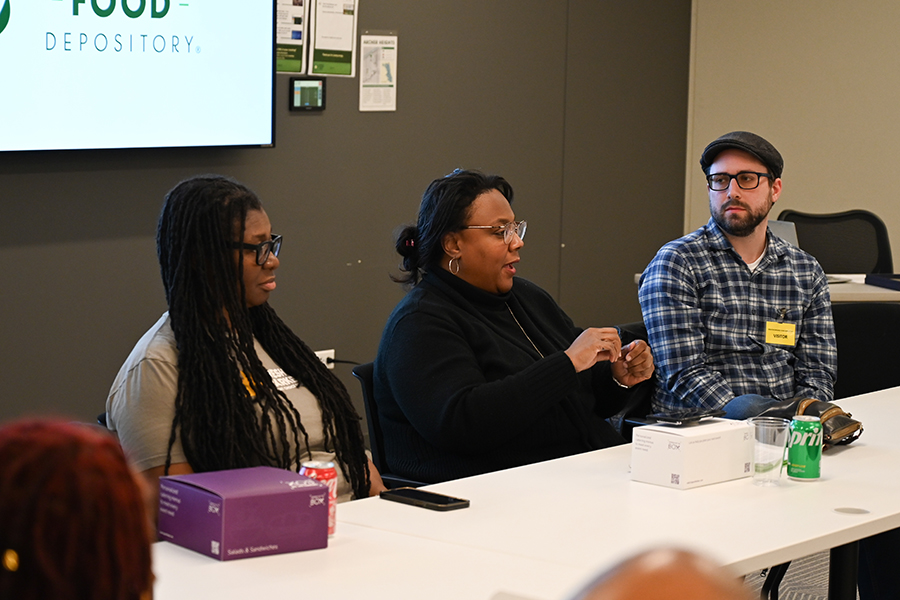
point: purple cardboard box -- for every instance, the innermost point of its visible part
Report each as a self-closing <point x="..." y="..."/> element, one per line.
<point x="243" y="512"/>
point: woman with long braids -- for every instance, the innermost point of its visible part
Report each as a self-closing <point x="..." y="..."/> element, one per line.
<point x="220" y="382"/>
<point x="479" y="370"/>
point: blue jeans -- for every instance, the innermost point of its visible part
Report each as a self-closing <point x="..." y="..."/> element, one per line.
<point x="746" y="406"/>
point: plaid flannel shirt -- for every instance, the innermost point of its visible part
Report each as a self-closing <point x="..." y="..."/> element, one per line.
<point x="706" y="316"/>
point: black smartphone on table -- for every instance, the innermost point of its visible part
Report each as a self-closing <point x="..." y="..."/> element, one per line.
<point x="683" y="418"/>
<point x="425" y="499"/>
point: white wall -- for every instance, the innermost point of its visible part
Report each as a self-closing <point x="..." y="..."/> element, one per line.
<point x="820" y="80"/>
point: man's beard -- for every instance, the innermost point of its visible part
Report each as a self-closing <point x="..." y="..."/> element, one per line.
<point x="744" y="225"/>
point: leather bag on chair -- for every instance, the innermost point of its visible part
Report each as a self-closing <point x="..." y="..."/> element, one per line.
<point x="838" y="427"/>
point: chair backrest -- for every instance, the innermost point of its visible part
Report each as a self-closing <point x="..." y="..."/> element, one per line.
<point x="867" y="334"/>
<point x="365" y="373"/>
<point x="853" y="241"/>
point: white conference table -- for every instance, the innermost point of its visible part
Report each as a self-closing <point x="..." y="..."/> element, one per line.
<point x="542" y="530"/>
<point x="857" y="290"/>
<point x="365" y="563"/>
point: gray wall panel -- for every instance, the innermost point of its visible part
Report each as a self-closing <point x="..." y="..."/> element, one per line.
<point x="626" y="106"/>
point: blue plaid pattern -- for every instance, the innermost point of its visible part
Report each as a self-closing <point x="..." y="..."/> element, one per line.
<point x="706" y="315"/>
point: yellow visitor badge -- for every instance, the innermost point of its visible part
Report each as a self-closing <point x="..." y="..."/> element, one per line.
<point x="783" y="334"/>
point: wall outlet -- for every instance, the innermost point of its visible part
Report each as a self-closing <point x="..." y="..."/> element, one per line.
<point x="327" y="357"/>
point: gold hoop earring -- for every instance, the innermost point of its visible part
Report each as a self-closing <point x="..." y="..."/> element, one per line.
<point x="450" y="265"/>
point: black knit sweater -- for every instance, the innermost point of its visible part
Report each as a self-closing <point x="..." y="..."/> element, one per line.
<point x="461" y="390"/>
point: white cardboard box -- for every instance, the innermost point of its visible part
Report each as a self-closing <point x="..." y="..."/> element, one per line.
<point x="688" y="456"/>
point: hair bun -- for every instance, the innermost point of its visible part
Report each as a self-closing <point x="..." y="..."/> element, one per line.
<point x="406" y="241"/>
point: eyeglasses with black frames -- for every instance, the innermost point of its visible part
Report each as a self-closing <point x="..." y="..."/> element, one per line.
<point x="516" y="228"/>
<point x="746" y="180"/>
<point x="263" y="249"/>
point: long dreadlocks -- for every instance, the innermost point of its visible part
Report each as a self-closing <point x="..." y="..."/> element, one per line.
<point x="228" y="411"/>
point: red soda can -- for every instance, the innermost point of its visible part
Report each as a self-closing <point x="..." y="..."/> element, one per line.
<point x="327" y="474"/>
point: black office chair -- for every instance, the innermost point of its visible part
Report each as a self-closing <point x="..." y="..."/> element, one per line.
<point x="854" y="241"/>
<point x="867" y="334"/>
<point x="365" y="373"/>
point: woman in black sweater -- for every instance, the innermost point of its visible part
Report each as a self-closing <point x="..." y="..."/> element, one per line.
<point x="478" y="370"/>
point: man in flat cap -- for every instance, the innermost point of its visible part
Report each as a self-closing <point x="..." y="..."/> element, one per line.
<point x="737" y="317"/>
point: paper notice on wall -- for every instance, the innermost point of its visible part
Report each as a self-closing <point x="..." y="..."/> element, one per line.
<point x="378" y="73"/>
<point x="333" y="37"/>
<point x="291" y="18"/>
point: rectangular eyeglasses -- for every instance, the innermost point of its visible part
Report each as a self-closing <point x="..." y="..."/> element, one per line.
<point x="746" y="180"/>
<point x="263" y="249"/>
<point x="513" y="227"/>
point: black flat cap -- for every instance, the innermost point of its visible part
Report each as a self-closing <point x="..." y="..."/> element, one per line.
<point x="748" y="142"/>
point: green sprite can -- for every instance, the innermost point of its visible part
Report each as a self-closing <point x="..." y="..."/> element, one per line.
<point x="805" y="448"/>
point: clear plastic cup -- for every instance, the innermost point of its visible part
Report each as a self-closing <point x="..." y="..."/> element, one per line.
<point x="768" y="450"/>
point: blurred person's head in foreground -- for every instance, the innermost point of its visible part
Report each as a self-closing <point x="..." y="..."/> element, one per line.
<point x="73" y="521"/>
<point x="665" y="574"/>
